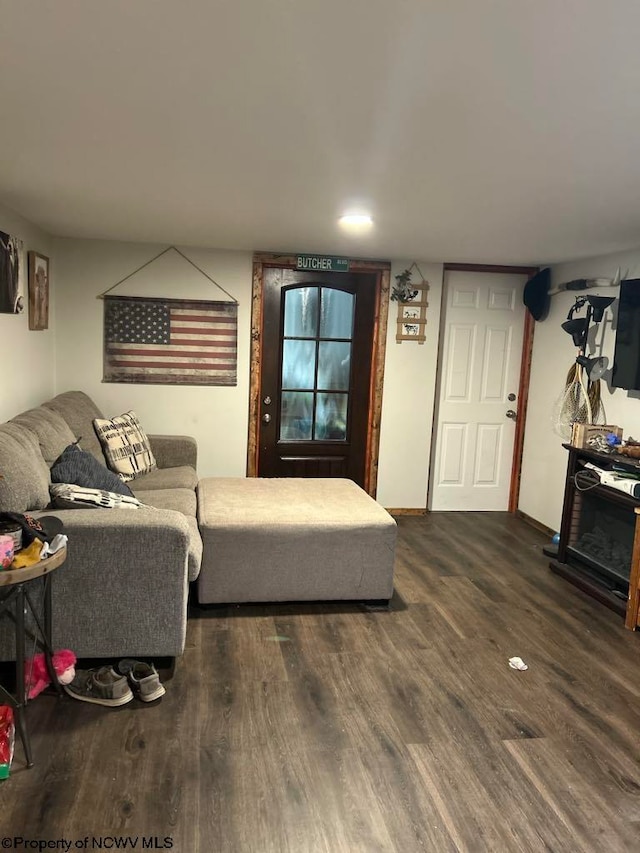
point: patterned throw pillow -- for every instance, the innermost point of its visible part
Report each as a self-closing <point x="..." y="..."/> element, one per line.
<point x="125" y="445"/>
<point x="70" y="496"/>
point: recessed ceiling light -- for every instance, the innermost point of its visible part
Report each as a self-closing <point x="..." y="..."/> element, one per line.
<point x="356" y="221"/>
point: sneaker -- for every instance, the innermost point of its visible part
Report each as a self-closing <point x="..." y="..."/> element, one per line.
<point x="101" y="686"/>
<point x="143" y="678"/>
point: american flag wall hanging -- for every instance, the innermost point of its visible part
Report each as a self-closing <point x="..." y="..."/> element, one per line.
<point x="170" y="341"/>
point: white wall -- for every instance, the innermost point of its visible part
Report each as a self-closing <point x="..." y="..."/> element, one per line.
<point x="545" y="460"/>
<point x="407" y="403"/>
<point x="216" y="416"/>
<point x="26" y="358"/>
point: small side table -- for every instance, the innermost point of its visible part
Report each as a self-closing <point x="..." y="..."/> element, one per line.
<point x="14" y="599"/>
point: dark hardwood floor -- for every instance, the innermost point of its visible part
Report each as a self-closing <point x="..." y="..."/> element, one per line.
<point x="341" y="728"/>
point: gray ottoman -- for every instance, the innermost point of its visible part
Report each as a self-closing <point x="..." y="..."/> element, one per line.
<point x="292" y="540"/>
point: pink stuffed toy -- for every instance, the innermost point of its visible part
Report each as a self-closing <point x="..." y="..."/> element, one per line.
<point x="37" y="676"/>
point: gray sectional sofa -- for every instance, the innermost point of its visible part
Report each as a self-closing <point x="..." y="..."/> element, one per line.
<point x="123" y="588"/>
<point x="122" y="591"/>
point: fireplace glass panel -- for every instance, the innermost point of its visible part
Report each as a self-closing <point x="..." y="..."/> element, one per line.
<point x="603" y="537"/>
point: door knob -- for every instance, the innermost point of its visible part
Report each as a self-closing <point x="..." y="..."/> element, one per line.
<point x="511" y="414"/>
<point x="266" y="418"/>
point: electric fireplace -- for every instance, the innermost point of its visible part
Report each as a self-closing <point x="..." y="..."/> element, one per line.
<point x="599" y="548"/>
<point x="601" y="538"/>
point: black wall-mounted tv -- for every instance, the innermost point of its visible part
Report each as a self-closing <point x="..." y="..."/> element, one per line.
<point x="626" y="360"/>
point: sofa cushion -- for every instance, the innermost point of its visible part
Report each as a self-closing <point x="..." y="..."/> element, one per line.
<point x="183" y="477"/>
<point x="51" y="429"/>
<point x="81" y="468"/>
<point x="79" y="412"/>
<point x="70" y="496"/>
<point x="180" y="500"/>
<point x="125" y="445"/>
<point x="24" y="475"/>
<point x="172" y="451"/>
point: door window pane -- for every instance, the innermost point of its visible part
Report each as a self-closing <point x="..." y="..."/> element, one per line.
<point x="334" y="365"/>
<point x="316" y="363"/>
<point x="336" y="314"/>
<point x="298" y="364"/>
<point x="296" y="416"/>
<point x="331" y="417"/>
<point x="301" y="312"/>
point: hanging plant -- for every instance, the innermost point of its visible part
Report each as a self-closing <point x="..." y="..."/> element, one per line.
<point x="402" y="291"/>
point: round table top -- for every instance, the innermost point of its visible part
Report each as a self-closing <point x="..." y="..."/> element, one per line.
<point x="9" y="577"/>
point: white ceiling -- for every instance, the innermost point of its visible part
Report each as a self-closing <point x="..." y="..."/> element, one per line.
<point x="503" y="131"/>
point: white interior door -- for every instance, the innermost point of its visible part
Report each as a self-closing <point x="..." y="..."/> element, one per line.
<point x="479" y="369"/>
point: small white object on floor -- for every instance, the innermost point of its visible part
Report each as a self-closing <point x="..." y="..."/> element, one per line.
<point x="50" y="548"/>
<point x="517" y="663"/>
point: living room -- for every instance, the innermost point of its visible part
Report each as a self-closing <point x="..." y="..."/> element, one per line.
<point x="536" y="188"/>
<point x="82" y="269"/>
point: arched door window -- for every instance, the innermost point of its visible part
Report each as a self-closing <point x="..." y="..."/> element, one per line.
<point x="316" y="364"/>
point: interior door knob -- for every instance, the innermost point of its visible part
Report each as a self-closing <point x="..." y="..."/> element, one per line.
<point x="511" y="414"/>
<point x="266" y="418"/>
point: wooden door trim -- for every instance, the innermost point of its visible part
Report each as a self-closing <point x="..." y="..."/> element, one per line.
<point x="523" y="403"/>
<point x="525" y="368"/>
<point x="506" y="270"/>
<point x="383" y="271"/>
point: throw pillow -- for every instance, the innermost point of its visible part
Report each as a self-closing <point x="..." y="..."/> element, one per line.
<point x="70" y="496"/>
<point x="83" y="469"/>
<point x="125" y="445"/>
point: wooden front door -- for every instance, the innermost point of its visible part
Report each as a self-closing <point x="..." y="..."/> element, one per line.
<point x="314" y="399"/>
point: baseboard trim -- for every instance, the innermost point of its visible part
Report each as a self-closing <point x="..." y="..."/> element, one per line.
<point x="537" y="524"/>
<point x="406" y="511"/>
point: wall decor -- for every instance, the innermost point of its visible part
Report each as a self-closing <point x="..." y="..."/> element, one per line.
<point x="11" y="274"/>
<point x="412" y="306"/>
<point x="38" y="292"/>
<point x="170" y="341"/>
<point x="167" y="341"/>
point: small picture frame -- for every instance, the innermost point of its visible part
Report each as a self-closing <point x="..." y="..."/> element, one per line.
<point x="410" y="329"/>
<point x="12" y="265"/>
<point x="410" y="312"/>
<point x="38" y="292"/>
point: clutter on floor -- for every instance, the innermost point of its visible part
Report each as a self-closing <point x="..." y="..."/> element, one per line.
<point x="7" y="739"/>
<point x="113" y="688"/>
<point x="143" y="678"/>
<point x="37" y="675"/>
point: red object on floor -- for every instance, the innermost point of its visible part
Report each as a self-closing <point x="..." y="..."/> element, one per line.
<point x="37" y="675"/>
<point x="7" y="738"/>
